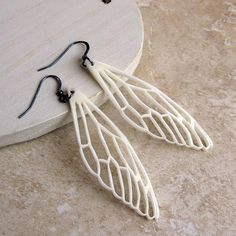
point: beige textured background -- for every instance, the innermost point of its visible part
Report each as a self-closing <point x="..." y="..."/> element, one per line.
<point x="189" y="53"/>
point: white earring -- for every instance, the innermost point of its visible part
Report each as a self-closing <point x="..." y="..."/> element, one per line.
<point x="145" y="107"/>
<point x="148" y="109"/>
<point x="107" y="153"/>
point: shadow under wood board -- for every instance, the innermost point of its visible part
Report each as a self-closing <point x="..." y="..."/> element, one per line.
<point x="33" y="33"/>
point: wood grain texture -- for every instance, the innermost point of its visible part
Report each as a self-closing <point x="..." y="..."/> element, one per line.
<point x="33" y="33"/>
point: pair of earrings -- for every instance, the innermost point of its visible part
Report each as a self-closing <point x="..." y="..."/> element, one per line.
<point x="107" y="154"/>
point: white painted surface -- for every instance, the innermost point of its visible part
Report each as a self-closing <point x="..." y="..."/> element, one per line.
<point x="32" y="35"/>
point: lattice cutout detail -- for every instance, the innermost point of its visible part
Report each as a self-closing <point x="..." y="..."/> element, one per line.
<point x="108" y="155"/>
<point x="148" y="109"/>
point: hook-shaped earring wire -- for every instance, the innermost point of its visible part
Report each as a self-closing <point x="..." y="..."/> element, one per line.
<point x="84" y="57"/>
<point x="62" y="96"/>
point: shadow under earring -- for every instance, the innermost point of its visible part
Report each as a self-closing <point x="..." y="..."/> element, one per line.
<point x="144" y="106"/>
<point x="107" y="153"/>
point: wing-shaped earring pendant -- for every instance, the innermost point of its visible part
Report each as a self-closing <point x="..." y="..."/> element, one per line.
<point x="148" y="109"/>
<point x="143" y="106"/>
<point x="109" y="157"/>
<point x="106" y="152"/>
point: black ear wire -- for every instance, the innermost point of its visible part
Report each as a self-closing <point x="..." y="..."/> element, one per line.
<point x="84" y="57"/>
<point x="62" y="95"/>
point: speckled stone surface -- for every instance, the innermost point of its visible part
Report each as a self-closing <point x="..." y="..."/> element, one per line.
<point x="189" y="53"/>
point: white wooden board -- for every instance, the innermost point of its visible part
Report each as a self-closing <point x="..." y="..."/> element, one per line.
<point x="33" y="33"/>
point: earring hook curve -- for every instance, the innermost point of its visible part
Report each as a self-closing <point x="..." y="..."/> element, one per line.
<point x="84" y="57"/>
<point x="62" y="96"/>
